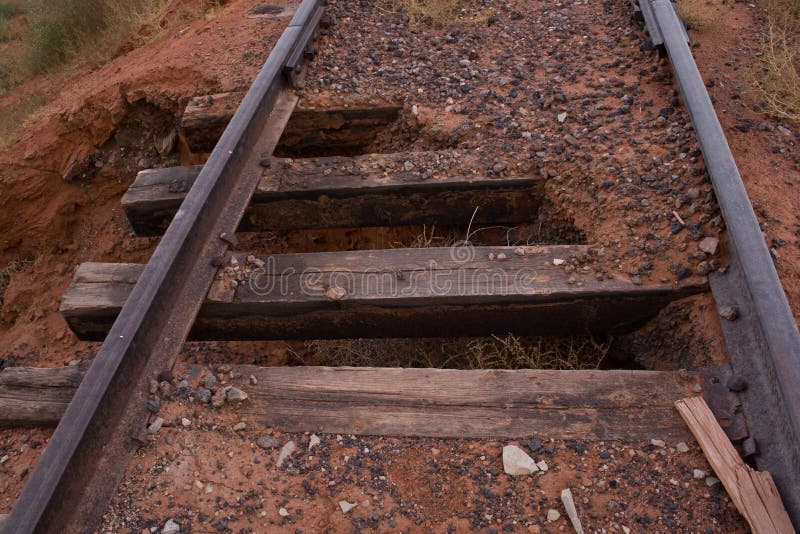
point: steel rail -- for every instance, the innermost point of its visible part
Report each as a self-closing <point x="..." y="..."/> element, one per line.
<point x="772" y="367"/>
<point x="89" y="452"/>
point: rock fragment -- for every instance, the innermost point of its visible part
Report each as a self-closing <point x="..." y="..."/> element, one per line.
<point x="346" y="506"/>
<point x="171" y="527"/>
<point x="709" y="245"/>
<point x="516" y="462"/>
<point x="286" y="451"/>
<point x="729" y="313"/>
<point x="155" y="426"/>
<point x="218" y="399"/>
<point x="235" y="394"/>
<point x="553" y="515"/>
<point x="267" y="442"/>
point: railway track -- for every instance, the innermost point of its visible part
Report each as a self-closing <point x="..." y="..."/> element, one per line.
<point x="198" y="285"/>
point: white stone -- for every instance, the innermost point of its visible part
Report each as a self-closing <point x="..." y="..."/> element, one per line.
<point x="171" y="527"/>
<point x="698" y="473"/>
<point x="346" y="506"/>
<point x="313" y="441"/>
<point x="658" y="443"/>
<point x="553" y="515"/>
<point x="516" y="462"/>
<point x="558" y="261"/>
<point x="235" y="394"/>
<point x="682" y="447"/>
<point x="562" y="116"/>
<point x="283" y="512"/>
<point x="709" y="245"/>
<point x="542" y="465"/>
<point x="155" y="426"/>
<point x="286" y="451"/>
<point x="712" y="481"/>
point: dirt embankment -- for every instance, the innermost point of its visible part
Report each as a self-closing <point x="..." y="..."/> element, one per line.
<point x="61" y="182"/>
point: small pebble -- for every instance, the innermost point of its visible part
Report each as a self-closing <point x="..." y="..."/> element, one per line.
<point x="155" y="426"/>
<point x="346" y="506"/>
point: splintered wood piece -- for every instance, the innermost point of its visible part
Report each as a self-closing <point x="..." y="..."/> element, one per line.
<point x="414" y="402"/>
<point x="31" y="396"/>
<point x="572" y="512"/>
<point x="423" y="292"/>
<point x="753" y="492"/>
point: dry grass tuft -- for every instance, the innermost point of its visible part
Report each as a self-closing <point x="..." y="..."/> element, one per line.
<point x="429" y="238"/>
<point x="13" y="120"/>
<point x="438" y="11"/>
<point x="779" y="83"/>
<point x="509" y="352"/>
<point x="698" y="14"/>
<point x="93" y="30"/>
<point x="776" y="82"/>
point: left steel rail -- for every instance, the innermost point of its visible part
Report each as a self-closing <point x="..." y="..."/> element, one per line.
<point x="88" y="454"/>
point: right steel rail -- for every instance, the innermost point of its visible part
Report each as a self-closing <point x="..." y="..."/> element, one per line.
<point x="764" y="342"/>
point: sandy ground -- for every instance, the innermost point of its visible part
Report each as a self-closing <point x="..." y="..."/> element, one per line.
<point x="209" y="471"/>
<point x="619" y="163"/>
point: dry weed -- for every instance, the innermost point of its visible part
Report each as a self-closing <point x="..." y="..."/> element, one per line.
<point x="776" y="81"/>
<point x="438" y="11"/>
<point x="779" y="84"/>
<point x="509" y="352"/>
<point x="13" y="120"/>
<point x="700" y="15"/>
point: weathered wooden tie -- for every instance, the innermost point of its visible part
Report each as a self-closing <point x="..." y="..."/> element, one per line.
<point x="330" y="192"/>
<point x="34" y="396"/>
<point x="413" y="402"/>
<point x="462" y="291"/>
<point x="309" y="129"/>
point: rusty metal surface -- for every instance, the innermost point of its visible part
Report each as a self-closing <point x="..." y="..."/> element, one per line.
<point x="765" y="344"/>
<point x="726" y="404"/>
<point x="90" y="450"/>
<point x="762" y="402"/>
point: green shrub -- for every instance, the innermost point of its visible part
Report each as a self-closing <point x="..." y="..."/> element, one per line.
<point x="9" y="8"/>
<point x="61" y="30"/>
<point x="13" y="118"/>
